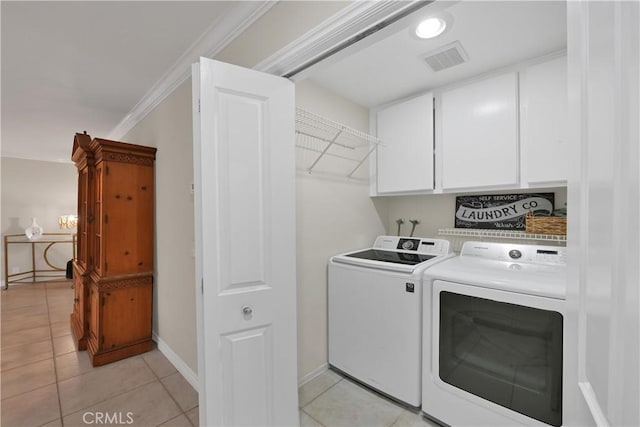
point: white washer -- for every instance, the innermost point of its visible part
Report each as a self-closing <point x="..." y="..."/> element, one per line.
<point x="493" y="336"/>
<point x="375" y="313"/>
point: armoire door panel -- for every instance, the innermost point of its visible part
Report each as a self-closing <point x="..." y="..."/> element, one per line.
<point x="83" y="200"/>
<point x="94" y="313"/>
<point x="128" y="309"/>
<point x="98" y="213"/>
<point x="128" y="219"/>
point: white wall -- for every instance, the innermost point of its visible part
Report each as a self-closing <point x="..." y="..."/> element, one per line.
<point x="285" y="22"/>
<point x="334" y="215"/>
<point x="169" y="128"/>
<point x="437" y="211"/>
<point x="44" y="190"/>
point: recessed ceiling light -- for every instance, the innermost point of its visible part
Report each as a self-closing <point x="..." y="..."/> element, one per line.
<point x="430" y="28"/>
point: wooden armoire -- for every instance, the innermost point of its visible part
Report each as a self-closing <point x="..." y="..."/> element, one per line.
<point x="113" y="271"/>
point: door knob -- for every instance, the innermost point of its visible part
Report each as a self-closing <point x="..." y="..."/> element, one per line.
<point x="247" y="311"/>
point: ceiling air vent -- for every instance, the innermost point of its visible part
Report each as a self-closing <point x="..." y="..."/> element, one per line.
<point x="446" y="56"/>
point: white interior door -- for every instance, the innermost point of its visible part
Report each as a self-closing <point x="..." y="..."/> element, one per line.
<point x="604" y="195"/>
<point x="245" y="245"/>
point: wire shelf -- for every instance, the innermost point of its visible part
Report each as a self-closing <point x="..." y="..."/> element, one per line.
<point x="324" y="138"/>
<point x="461" y="234"/>
<point x="500" y="234"/>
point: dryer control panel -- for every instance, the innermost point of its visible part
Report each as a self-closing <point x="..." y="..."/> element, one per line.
<point x="533" y="254"/>
<point x="413" y="244"/>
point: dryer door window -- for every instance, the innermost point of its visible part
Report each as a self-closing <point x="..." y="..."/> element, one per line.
<point x="505" y="353"/>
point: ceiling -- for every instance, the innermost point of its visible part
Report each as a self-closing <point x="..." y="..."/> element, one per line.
<point x="74" y="66"/>
<point x="494" y="34"/>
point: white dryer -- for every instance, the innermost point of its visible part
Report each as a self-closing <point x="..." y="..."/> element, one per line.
<point x="375" y="313"/>
<point x="493" y="336"/>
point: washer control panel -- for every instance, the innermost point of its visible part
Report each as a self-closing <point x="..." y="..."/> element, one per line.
<point x="413" y="244"/>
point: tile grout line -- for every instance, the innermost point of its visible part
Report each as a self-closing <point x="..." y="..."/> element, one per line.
<point x="310" y="416"/>
<point x="378" y="394"/>
<point x="397" y="418"/>
<point x="328" y="388"/>
<point x="156" y="376"/>
<point x="168" y="392"/>
<point x="32" y="362"/>
<point x="109" y="398"/>
<point x="53" y="355"/>
<point x="62" y="415"/>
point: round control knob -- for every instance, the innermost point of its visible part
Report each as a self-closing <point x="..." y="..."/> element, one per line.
<point x="407" y="245"/>
<point x="247" y="311"/>
<point x="515" y="254"/>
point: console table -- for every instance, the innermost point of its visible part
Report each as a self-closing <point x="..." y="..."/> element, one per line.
<point x="47" y="241"/>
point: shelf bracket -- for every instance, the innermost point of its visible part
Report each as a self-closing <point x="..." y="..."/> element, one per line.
<point x="333" y="140"/>
<point x="373" y="148"/>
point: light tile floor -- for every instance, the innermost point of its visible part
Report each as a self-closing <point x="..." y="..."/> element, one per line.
<point x="45" y="382"/>
<point x="332" y="400"/>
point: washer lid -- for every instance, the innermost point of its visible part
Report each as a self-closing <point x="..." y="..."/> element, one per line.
<point x="407" y="258"/>
<point x="397" y="253"/>
<point x="404" y="262"/>
<point x="530" y="279"/>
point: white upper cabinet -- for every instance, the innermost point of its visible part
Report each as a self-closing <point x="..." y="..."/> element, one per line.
<point x="478" y="134"/>
<point x="507" y="131"/>
<point x="404" y="159"/>
<point x="543" y="123"/>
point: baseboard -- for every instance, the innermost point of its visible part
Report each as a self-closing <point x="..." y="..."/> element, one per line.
<point x="311" y="375"/>
<point x="192" y="377"/>
<point x="177" y="362"/>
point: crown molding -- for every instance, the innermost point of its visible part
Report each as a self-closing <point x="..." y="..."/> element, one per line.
<point x="352" y="20"/>
<point x="39" y="157"/>
<point x="218" y="36"/>
<point x="341" y="27"/>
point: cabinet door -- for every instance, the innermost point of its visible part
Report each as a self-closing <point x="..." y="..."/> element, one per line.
<point x="128" y="219"/>
<point x="127" y="315"/>
<point x="83" y="217"/>
<point x="405" y="156"/>
<point x="544" y="116"/>
<point x="94" y="316"/>
<point x="78" y="300"/>
<point x="99" y="220"/>
<point x="479" y="134"/>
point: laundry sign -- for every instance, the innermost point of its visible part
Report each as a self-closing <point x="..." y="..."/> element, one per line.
<point x="501" y="211"/>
